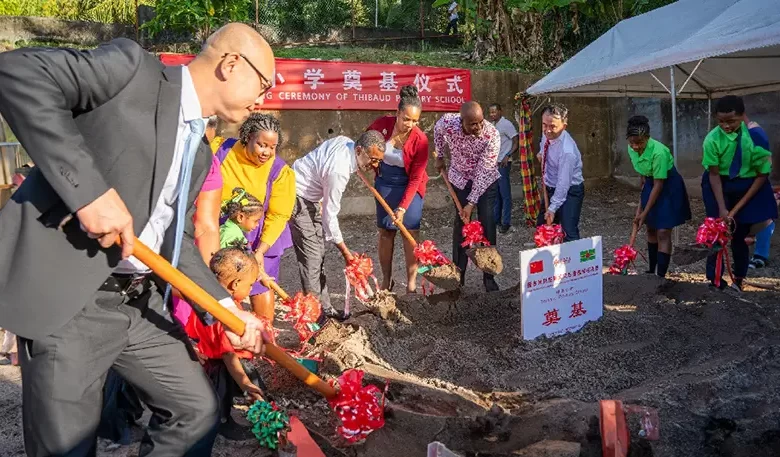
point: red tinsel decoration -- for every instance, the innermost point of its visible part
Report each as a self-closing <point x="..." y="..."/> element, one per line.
<point x="716" y="231"/>
<point x="548" y="235"/>
<point x="304" y="310"/>
<point x="624" y="256"/>
<point x="474" y="234"/>
<point x="428" y="254"/>
<point x="357" y="272"/>
<point x="361" y="409"/>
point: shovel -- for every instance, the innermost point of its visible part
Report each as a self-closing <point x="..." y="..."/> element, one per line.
<point x="445" y="276"/>
<point x="194" y="292"/>
<point x="486" y="258"/>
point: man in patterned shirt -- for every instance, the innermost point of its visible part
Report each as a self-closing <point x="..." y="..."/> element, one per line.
<point x="473" y="144"/>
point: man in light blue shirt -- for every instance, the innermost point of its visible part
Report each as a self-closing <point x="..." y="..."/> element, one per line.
<point x="561" y="173"/>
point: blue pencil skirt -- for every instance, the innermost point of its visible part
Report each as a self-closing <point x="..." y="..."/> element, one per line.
<point x="760" y="208"/>
<point x="672" y="207"/>
<point x="391" y="185"/>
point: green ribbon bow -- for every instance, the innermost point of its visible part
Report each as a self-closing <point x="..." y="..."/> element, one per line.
<point x="268" y="423"/>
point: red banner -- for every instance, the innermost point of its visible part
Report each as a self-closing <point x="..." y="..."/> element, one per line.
<point x="321" y="85"/>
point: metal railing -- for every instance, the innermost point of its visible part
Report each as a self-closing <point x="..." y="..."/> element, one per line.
<point x="12" y="156"/>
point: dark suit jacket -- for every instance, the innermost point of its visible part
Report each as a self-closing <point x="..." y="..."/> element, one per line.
<point x="91" y="121"/>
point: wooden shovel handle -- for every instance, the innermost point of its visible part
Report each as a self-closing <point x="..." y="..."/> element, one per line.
<point x="634" y="231"/>
<point x="194" y="292"/>
<point x="389" y="210"/>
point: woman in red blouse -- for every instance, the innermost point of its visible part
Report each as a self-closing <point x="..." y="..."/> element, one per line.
<point x="401" y="180"/>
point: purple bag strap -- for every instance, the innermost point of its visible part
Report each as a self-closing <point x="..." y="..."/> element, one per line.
<point x="224" y="149"/>
<point x="276" y="168"/>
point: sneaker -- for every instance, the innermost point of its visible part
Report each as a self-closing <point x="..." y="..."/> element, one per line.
<point x="757" y="262"/>
<point x="331" y="313"/>
<point x="737" y="285"/>
<point x="503" y="229"/>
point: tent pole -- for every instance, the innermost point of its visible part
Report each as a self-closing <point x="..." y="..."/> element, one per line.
<point x="709" y="112"/>
<point x="673" y="92"/>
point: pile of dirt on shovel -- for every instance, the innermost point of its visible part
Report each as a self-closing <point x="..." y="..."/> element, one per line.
<point x="708" y="361"/>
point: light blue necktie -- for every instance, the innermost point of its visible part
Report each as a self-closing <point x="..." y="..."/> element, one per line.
<point x="197" y="127"/>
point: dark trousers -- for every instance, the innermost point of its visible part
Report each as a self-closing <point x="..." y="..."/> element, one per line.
<point x="63" y="377"/>
<point x="568" y="215"/>
<point x="484" y="215"/>
<point x="503" y="207"/>
<point x="452" y="25"/>
<point x="309" y="244"/>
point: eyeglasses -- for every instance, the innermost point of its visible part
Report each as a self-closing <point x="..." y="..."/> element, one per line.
<point x="267" y="83"/>
<point x="372" y="160"/>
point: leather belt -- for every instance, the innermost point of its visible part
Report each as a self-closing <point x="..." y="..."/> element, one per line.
<point x="131" y="285"/>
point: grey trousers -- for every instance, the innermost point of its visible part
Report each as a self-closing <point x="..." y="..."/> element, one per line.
<point x="309" y="244"/>
<point x="63" y="376"/>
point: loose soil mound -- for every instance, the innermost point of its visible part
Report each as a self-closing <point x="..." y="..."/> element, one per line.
<point x="487" y="259"/>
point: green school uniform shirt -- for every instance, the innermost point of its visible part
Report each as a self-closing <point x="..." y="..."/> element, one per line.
<point x="719" y="148"/>
<point x="230" y="234"/>
<point x="655" y="161"/>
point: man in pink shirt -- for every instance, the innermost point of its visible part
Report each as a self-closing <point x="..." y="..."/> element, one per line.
<point x="473" y="144"/>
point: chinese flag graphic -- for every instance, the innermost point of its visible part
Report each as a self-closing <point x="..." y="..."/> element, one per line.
<point x="536" y="266"/>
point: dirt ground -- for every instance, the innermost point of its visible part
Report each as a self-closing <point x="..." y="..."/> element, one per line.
<point x="707" y="361"/>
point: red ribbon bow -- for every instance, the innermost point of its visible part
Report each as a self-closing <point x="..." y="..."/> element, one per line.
<point x="304" y="310"/>
<point x="624" y="256"/>
<point x="357" y="272"/>
<point x="716" y="231"/>
<point x="548" y="235"/>
<point x="473" y="233"/>
<point x="361" y="409"/>
<point x="428" y="254"/>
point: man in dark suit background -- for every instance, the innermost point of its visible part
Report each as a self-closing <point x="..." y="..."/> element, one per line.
<point x="116" y="138"/>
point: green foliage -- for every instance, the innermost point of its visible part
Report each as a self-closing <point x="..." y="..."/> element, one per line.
<point x="110" y="11"/>
<point x="541" y="6"/>
<point x="199" y="17"/>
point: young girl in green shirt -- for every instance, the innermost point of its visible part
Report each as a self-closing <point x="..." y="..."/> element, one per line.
<point x="664" y="201"/>
<point x="241" y="214"/>
<point x="737" y="161"/>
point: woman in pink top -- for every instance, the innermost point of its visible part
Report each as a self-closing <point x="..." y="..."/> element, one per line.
<point x="206" y="228"/>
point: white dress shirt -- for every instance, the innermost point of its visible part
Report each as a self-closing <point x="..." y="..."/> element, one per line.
<point x="164" y="212"/>
<point x="322" y="175"/>
<point x="563" y="168"/>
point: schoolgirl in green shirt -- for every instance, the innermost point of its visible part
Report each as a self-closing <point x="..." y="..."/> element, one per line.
<point x="737" y="162"/>
<point x="664" y="200"/>
<point x="241" y="214"/>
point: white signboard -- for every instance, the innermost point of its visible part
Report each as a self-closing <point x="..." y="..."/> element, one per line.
<point x="562" y="287"/>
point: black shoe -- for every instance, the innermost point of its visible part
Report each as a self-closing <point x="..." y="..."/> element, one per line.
<point x="232" y="431"/>
<point x="491" y="285"/>
<point x="331" y="313"/>
<point x="723" y="285"/>
<point x="503" y="229"/>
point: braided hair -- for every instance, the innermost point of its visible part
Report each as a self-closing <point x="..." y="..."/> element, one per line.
<point x="409" y="97"/>
<point x="228" y="263"/>
<point x="241" y="201"/>
<point x="638" y="126"/>
<point x="259" y="122"/>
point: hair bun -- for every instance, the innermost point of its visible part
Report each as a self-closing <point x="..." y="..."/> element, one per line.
<point x="409" y="91"/>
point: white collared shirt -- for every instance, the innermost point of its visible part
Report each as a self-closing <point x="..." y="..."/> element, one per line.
<point x="563" y="167"/>
<point x="322" y="175"/>
<point x="164" y="212"/>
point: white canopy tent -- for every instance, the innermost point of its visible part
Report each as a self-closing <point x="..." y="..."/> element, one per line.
<point x="692" y="48"/>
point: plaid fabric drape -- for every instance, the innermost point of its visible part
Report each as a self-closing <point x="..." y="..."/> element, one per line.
<point x="530" y="188"/>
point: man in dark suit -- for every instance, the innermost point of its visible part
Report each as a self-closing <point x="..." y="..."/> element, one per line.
<point x="116" y="138"/>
